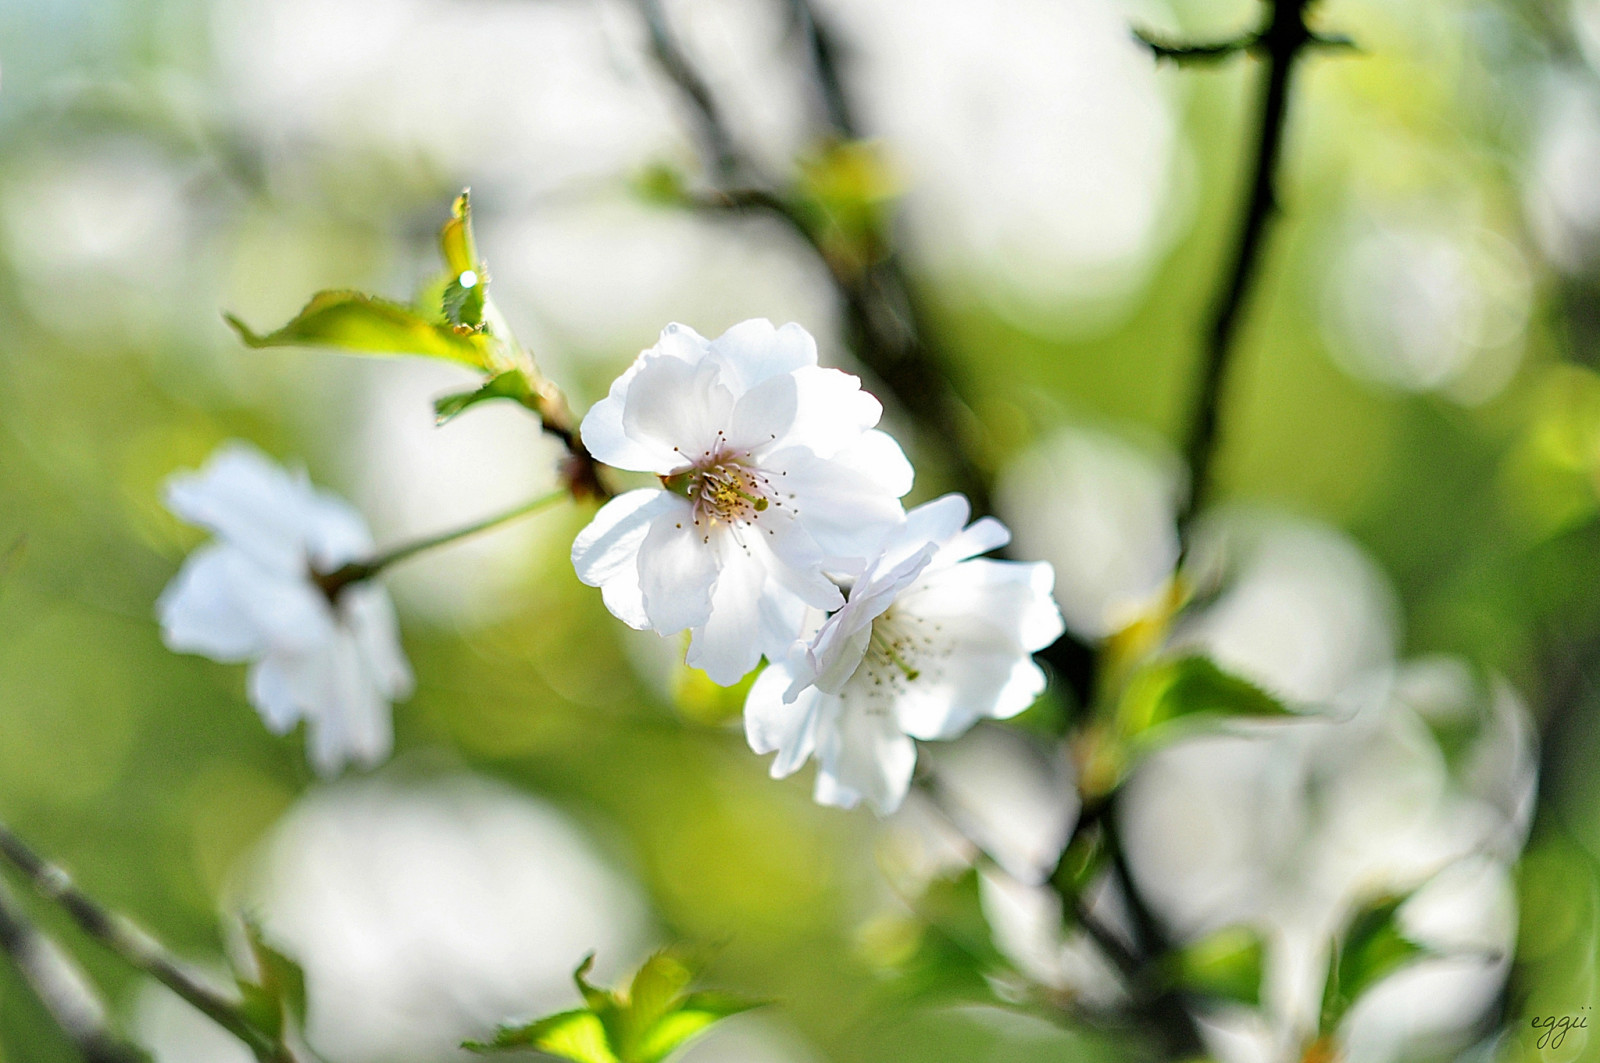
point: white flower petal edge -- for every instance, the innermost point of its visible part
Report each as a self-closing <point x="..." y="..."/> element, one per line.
<point x="771" y="470"/>
<point x="931" y="640"/>
<point x="251" y="596"/>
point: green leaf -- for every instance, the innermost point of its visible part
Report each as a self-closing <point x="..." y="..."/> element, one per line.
<point x="1370" y="949"/>
<point x="697" y="1013"/>
<point x="576" y="1035"/>
<point x="649" y="1021"/>
<point x="456" y="242"/>
<point x="274" y="993"/>
<point x="1189" y="689"/>
<point x="357" y="322"/>
<point x="1227" y="965"/>
<point x="511" y="384"/>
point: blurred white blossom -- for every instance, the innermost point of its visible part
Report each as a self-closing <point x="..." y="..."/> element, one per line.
<point x="427" y="912"/>
<point x="252" y="595"/>
<point x="1429" y="301"/>
<point x="929" y="642"/>
<point x="1103" y="512"/>
<point x="770" y="467"/>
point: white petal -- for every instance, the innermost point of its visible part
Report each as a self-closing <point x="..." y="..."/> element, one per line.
<point x="675" y="408"/>
<point x="762" y="415"/>
<point x="677" y="570"/>
<point x="729" y="642"/>
<point x="771" y="725"/>
<point x="753" y="351"/>
<point x="602" y="431"/>
<point x="970" y="686"/>
<point x="201" y="611"/>
<point x="271" y="691"/>
<point x="792" y="560"/>
<point x="939" y="521"/>
<point x="245" y="498"/>
<point x="1009" y="596"/>
<point x="980" y="537"/>
<point x="833" y="413"/>
<point x="845" y="511"/>
<point x="606" y="553"/>
<point x="347" y="717"/>
<point x="865" y="753"/>
<point x="225" y="600"/>
<point x="335" y="532"/>
<point x="369" y="616"/>
<point x="683" y="343"/>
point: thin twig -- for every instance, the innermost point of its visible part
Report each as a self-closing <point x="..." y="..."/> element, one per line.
<point x="61" y="987"/>
<point x="1283" y="41"/>
<point x="137" y="948"/>
<point x="337" y="580"/>
<point x="1184" y="54"/>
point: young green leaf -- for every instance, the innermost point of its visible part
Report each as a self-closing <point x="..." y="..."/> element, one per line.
<point x="512" y="384"/>
<point x="1370" y="949"/>
<point x="1226" y="965"/>
<point x="274" y="992"/>
<point x="1189" y="689"/>
<point x="357" y="322"/>
<point x="654" y="1017"/>
<point x="576" y="1035"/>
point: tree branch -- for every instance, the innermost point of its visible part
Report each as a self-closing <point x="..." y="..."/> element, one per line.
<point x="137" y="948"/>
<point x="1283" y="41"/>
<point x="61" y="987"/>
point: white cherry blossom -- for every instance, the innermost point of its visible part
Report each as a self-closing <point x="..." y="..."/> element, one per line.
<point x="252" y="595"/>
<point x="770" y="470"/>
<point x="932" y="640"/>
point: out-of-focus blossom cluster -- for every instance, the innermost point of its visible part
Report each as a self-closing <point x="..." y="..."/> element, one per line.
<point x="1405" y="778"/>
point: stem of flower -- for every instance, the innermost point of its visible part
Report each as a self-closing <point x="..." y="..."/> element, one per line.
<point x="137" y="948"/>
<point x="336" y="581"/>
<point x="61" y="987"/>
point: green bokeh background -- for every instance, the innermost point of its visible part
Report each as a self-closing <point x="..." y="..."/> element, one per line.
<point x="149" y="775"/>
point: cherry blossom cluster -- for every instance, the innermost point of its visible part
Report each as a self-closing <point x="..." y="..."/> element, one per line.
<point x="777" y="531"/>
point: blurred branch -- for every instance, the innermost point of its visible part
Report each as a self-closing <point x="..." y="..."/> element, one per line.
<point x="1281" y="42"/>
<point x="885" y="322"/>
<point x="61" y="987"/>
<point x="823" y="51"/>
<point x="727" y="161"/>
<point x="138" y="948"/>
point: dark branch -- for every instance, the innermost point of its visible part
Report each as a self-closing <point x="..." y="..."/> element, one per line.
<point x="1282" y="42"/>
<point x="61" y="987"/>
<point x="137" y="948"/>
<point x="822" y="49"/>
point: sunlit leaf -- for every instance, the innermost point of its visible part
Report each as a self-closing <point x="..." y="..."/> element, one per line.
<point x="647" y="1022"/>
<point x="1189" y="689"/>
<point x="1227" y="964"/>
<point x="353" y="321"/>
<point x="697" y="1013"/>
<point x="511" y="384"/>
<point x="576" y="1035"/>
<point x="1369" y="949"/>
<point x="462" y="301"/>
